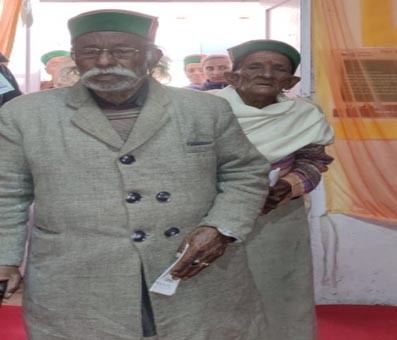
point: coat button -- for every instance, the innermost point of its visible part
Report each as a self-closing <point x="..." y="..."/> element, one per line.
<point x="133" y="197"/>
<point x="138" y="236"/>
<point x="172" y="232"/>
<point x="163" y="196"/>
<point x="127" y="159"/>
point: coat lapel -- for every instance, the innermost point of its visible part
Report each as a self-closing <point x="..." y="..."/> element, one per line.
<point x="152" y="117"/>
<point x="90" y="118"/>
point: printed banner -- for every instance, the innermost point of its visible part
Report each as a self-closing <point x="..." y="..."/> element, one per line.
<point x="355" y="63"/>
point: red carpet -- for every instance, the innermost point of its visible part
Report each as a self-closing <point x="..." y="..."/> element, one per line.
<point x="11" y="324"/>
<point x="349" y="322"/>
<point x="335" y="322"/>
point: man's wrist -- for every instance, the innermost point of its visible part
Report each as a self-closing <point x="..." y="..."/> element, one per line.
<point x="226" y="232"/>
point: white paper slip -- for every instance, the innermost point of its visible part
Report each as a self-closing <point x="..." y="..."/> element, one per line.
<point x="165" y="284"/>
<point x="273" y="176"/>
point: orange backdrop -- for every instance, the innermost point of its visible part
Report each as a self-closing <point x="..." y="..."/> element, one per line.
<point x="9" y="11"/>
<point x="355" y="63"/>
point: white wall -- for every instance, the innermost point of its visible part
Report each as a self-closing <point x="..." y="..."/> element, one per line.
<point x="354" y="259"/>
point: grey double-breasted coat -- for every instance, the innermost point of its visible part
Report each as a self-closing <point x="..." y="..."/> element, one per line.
<point x="83" y="279"/>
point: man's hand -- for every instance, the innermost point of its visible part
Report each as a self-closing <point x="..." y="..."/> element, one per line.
<point x="206" y="244"/>
<point x="277" y="194"/>
<point x="13" y="276"/>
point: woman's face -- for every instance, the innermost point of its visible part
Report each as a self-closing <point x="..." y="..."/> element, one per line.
<point x="265" y="73"/>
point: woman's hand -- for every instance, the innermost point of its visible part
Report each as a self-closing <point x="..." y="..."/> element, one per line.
<point x="277" y="193"/>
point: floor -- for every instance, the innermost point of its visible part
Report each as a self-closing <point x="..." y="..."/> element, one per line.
<point x="335" y="322"/>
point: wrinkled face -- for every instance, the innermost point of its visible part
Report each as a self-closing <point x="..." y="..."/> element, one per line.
<point x="215" y="68"/>
<point x="111" y="61"/>
<point x="265" y="73"/>
<point x="194" y="72"/>
<point x="56" y="63"/>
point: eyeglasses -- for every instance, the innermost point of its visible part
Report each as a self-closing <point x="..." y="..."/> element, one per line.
<point x="117" y="53"/>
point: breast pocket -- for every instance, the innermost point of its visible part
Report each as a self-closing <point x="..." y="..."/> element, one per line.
<point x="199" y="146"/>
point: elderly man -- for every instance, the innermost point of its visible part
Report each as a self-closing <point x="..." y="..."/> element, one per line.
<point x="125" y="174"/>
<point x="194" y="71"/>
<point x="214" y="68"/>
<point x="292" y="134"/>
<point x="61" y="67"/>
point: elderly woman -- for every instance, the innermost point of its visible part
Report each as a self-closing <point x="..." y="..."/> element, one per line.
<point x="292" y="134"/>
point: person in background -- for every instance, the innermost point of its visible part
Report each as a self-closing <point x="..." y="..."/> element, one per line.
<point x="9" y="88"/>
<point x="292" y="134"/>
<point x="214" y="68"/>
<point x="194" y="71"/>
<point x="62" y="69"/>
<point x="127" y="175"/>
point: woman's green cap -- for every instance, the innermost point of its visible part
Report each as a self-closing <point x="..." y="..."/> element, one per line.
<point x="139" y="24"/>
<point x="239" y="52"/>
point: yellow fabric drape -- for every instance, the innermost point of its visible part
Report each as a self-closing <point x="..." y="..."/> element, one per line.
<point x="355" y="64"/>
<point x="9" y="11"/>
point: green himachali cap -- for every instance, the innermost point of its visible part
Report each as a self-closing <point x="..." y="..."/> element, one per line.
<point x="237" y="53"/>
<point x="45" y="58"/>
<point x="140" y="24"/>
<point x="193" y="59"/>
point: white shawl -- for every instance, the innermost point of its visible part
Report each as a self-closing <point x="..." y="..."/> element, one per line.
<point x="280" y="129"/>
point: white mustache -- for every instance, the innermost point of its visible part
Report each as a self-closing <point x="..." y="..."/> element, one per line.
<point x="116" y="70"/>
<point x="128" y="81"/>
